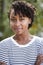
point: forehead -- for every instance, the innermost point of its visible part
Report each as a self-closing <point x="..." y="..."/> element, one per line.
<point x="12" y="14"/>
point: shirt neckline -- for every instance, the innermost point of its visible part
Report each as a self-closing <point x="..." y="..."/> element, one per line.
<point x="16" y="43"/>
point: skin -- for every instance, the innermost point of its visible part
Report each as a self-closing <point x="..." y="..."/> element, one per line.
<point x="39" y="59"/>
<point x="2" y="63"/>
<point x="19" y="25"/>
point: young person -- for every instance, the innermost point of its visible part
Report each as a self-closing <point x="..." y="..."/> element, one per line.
<point x="22" y="48"/>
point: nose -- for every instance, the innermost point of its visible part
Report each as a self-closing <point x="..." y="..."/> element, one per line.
<point x="17" y="23"/>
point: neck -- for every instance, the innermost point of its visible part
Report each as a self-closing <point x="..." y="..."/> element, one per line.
<point x="23" y="38"/>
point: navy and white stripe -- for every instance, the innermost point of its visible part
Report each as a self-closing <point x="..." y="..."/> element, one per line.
<point x="13" y="54"/>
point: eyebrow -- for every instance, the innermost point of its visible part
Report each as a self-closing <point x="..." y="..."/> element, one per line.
<point x="12" y="17"/>
<point x="20" y="16"/>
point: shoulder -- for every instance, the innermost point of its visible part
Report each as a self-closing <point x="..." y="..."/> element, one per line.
<point x="39" y="45"/>
<point x="5" y="42"/>
<point x="39" y="42"/>
<point x="39" y="39"/>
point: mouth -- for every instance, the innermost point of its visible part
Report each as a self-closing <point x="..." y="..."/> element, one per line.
<point x="18" y="28"/>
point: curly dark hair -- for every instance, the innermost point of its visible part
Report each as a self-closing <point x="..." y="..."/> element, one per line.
<point x="24" y="8"/>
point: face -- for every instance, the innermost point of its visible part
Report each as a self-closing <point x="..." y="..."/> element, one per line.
<point x="19" y="24"/>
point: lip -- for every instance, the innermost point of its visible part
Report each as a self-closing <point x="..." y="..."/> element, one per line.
<point x="18" y="28"/>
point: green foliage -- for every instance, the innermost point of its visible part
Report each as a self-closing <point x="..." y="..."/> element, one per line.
<point x="4" y="21"/>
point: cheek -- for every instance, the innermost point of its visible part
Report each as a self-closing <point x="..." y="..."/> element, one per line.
<point x="25" y="26"/>
<point x="12" y="26"/>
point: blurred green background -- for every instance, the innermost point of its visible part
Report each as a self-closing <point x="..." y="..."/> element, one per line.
<point x="37" y="28"/>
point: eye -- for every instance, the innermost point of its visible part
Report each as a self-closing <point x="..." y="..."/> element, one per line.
<point x="13" y="20"/>
<point x="21" y="19"/>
